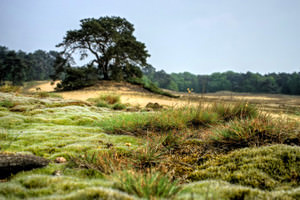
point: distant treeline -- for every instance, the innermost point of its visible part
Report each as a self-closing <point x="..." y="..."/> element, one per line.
<point x="20" y="66"/>
<point x="285" y="83"/>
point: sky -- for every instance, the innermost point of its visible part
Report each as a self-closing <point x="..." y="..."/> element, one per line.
<point x="198" y="36"/>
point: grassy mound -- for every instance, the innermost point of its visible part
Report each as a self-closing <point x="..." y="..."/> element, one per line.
<point x="259" y="131"/>
<point x="272" y="167"/>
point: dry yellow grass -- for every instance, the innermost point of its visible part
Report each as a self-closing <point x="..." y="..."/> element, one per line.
<point x="278" y="105"/>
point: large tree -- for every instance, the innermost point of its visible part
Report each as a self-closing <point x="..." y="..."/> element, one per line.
<point x="110" y="41"/>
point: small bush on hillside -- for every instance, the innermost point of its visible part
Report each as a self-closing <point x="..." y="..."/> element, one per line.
<point x="254" y="132"/>
<point x="267" y="168"/>
<point x="102" y="103"/>
<point x="146" y="185"/>
<point x="118" y="106"/>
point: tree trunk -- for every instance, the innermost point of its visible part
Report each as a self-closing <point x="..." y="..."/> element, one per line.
<point x="14" y="163"/>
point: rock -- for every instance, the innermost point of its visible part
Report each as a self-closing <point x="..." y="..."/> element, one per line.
<point x="60" y="160"/>
<point x="14" y="163"/>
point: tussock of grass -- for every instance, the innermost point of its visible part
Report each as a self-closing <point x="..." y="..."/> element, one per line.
<point x="258" y="131"/>
<point x="147" y="185"/>
<point x="108" y="101"/>
<point x="239" y="110"/>
<point x="267" y="168"/>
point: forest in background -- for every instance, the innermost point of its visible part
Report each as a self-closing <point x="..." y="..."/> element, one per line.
<point x="19" y="66"/>
<point x="274" y="83"/>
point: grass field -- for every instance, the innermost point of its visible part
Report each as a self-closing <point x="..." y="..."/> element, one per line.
<point x="220" y="146"/>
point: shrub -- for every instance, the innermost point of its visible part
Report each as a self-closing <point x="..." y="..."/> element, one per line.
<point x="101" y="103"/>
<point x="254" y="132"/>
<point x="272" y="167"/>
<point x="146" y="185"/>
<point x="118" y="106"/>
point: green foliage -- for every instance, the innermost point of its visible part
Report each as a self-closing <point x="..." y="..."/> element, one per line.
<point x="20" y="66"/>
<point x="77" y="78"/>
<point x="258" y="131"/>
<point x="228" y="81"/>
<point x="118" y="106"/>
<point x="268" y="168"/>
<point x="146" y="185"/>
<point x="111" y="42"/>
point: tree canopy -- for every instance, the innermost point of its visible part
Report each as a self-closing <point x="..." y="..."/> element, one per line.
<point x="110" y="41"/>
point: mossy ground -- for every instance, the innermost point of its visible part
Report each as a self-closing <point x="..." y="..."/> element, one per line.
<point x="53" y="127"/>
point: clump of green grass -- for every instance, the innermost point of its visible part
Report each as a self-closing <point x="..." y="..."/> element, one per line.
<point x="118" y="106"/>
<point x="146" y="185"/>
<point x="258" y="131"/>
<point x="205" y="118"/>
<point x="149" y="155"/>
<point x="108" y="101"/>
<point x="137" y="123"/>
<point x="105" y="162"/>
<point x="173" y="119"/>
<point x="6" y="103"/>
<point x="267" y="168"/>
<point x="240" y="110"/>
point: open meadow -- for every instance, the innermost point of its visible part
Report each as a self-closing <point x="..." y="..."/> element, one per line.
<point x="119" y="141"/>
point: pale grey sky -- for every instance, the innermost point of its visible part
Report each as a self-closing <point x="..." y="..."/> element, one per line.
<point x="181" y="35"/>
